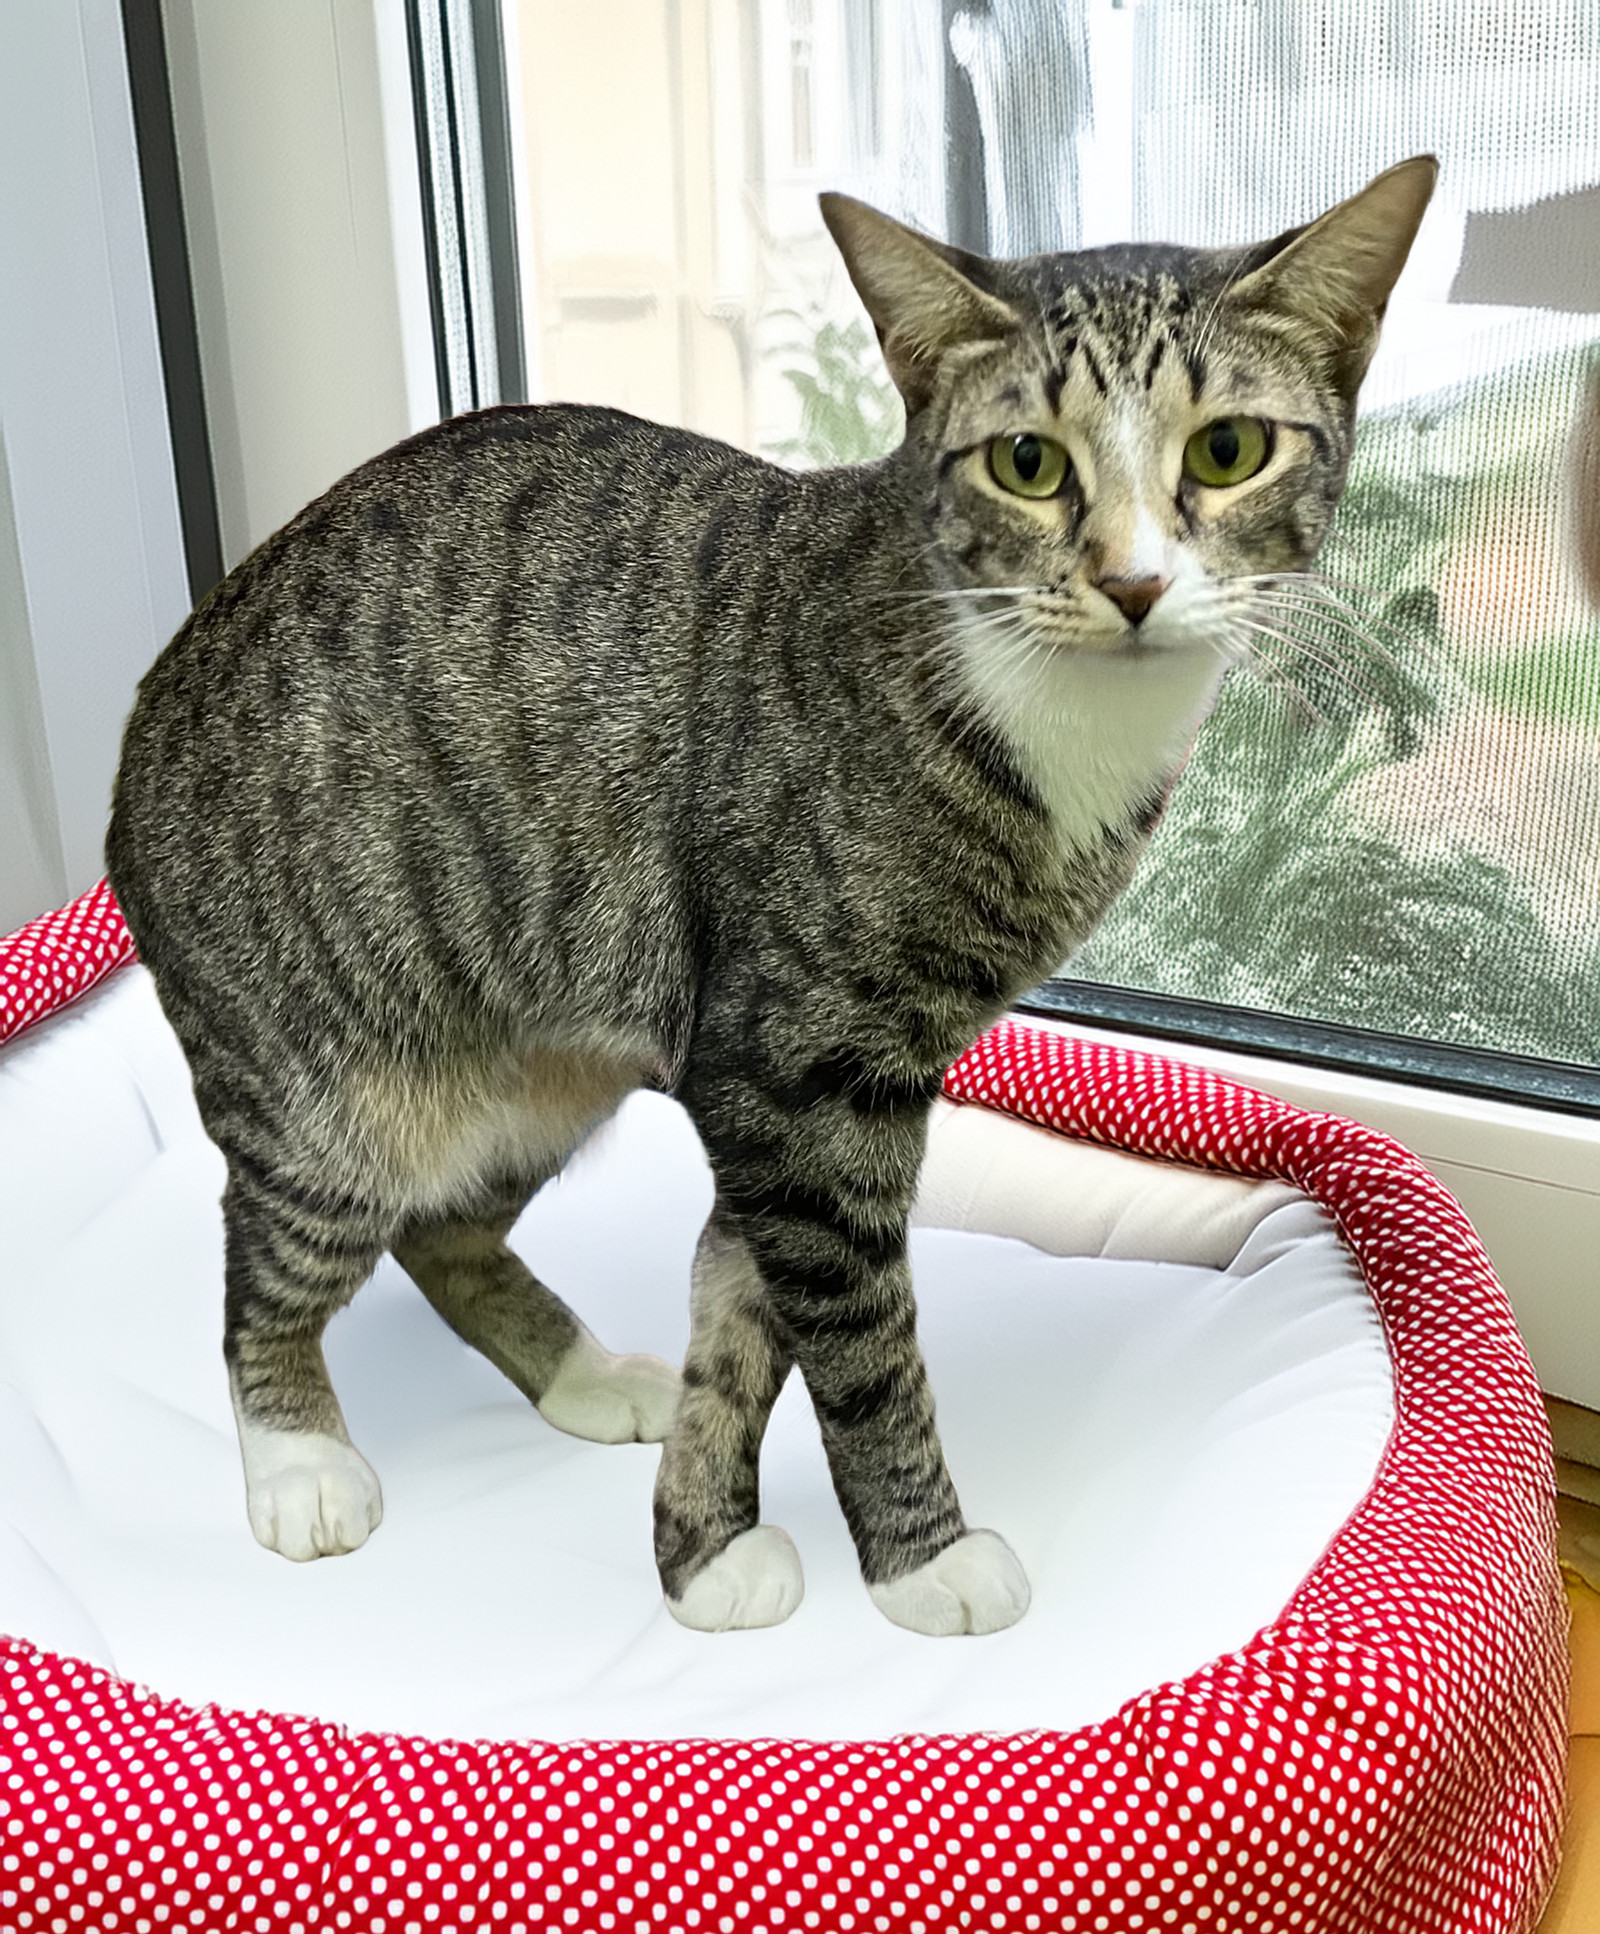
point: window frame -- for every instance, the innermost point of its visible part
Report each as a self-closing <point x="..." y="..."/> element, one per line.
<point x="1399" y="1059"/>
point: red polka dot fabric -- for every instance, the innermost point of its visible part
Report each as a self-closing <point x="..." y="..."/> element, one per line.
<point x="59" y="956"/>
<point x="1385" y="1758"/>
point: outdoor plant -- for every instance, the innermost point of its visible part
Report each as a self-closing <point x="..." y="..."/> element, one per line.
<point x="1302" y="867"/>
<point x="849" y="410"/>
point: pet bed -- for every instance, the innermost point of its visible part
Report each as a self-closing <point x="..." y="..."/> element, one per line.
<point x="1236" y="1381"/>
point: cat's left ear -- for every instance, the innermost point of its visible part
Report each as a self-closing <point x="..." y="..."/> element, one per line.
<point x="1336" y="274"/>
<point x="922" y="303"/>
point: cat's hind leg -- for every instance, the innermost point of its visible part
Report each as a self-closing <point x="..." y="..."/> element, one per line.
<point x="720" y="1568"/>
<point x="295" y="1254"/>
<point x="491" y="1299"/>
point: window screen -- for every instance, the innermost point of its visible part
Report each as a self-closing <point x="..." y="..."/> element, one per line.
<point x="1396" y="824"/>
<point x="1392" y="820"/>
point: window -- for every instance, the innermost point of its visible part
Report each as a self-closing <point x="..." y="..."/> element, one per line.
<point x="1386" y="852"/>
<point x="802" y="116"/>
<point x="672" y="261"/>
<point x="1404" y="836"/>
<point x="679" y="265"/>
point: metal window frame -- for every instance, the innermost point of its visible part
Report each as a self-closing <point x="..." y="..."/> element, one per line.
<point x="966" y="201"/>
<point x="1410" y="1060"/>
<point x="463" y="126"/>
<point x="177" y="329"/>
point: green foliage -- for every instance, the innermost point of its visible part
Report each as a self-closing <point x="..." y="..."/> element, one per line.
<point x="849" y="411"/>
<point x="1435" y="481"/>
<point x="1294" y="872"/>
<point x="1290" y="899"/>
<point x="1550" y="680"/>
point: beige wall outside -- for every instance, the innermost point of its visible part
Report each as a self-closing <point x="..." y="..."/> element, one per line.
<point x="641" y="295"/>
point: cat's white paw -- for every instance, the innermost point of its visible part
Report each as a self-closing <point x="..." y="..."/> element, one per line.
<point x="308" y="1495"/>
<point x="611" y="1399"/>
<point x="755" y="1580"/>
<point x="974" y="1585"/>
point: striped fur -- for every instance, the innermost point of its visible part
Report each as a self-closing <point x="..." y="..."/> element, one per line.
<point x="554" y="753"/>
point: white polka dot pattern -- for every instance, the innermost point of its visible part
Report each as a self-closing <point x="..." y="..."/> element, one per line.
<point x="1386" y="1758"/>
<point x="59" y="956"/>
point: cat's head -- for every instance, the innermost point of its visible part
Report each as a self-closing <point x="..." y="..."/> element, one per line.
<point x="1114" y="443"/>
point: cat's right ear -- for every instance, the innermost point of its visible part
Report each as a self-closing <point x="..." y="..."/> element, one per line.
<point x="920" y="302"/>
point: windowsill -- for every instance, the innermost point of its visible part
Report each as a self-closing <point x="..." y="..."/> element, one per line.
<point x="1529" y="1178"/>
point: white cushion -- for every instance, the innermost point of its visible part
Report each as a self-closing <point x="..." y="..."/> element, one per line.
<point x="1167" y="1389"/>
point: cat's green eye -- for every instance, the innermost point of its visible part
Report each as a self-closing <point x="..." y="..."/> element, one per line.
<point x="1227" y="451"/>
<point x="1028" y="466"/>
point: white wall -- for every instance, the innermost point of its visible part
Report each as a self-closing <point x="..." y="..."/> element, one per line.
<point x="305" y="231"/>
<point x="33" y="869"/>
<point x="91" y="567"/>
<point x="307" y="275"/>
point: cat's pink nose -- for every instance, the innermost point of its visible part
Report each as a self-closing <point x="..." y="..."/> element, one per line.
<point x="1133" y="597"/>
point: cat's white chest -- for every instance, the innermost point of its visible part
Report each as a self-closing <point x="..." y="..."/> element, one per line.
<point x="1098" y="735"/>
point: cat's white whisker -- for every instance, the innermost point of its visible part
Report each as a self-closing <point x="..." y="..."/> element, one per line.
<point x="1317" y="622"/>
<point x="1306" y="592"/>
<point x="1275" y="677"/>
<point x="1329" y="595"/>
<point x="1338" y="583"/>
<point x="1332" y="664"/>
<point x="1342" y="633"/>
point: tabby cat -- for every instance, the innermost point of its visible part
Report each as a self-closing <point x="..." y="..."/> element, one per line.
<point x="555" y="754"/>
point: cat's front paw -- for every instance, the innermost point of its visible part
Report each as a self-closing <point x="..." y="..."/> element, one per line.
<point x="756" y="1580"/>
<point x="611" y="1399"/>
<point x="974" y="1585"/>
<point x="308" y="1495"/>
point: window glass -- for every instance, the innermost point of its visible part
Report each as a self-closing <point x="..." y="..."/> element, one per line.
<point x="675" y="262"/>
<point x="1392" y="820"/>
<point x="1396" y="825"/>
